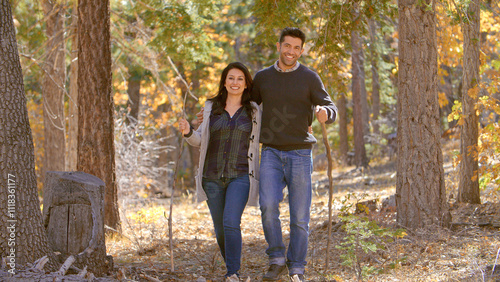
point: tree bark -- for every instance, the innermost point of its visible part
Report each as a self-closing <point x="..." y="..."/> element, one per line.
<point x="468" y="188"/>
<point x="420" y="188"/>
<point x="343" y="135"/>
<point x="96" y="151"/>
<point x="375" y="76"/>
<point x="134" y="96"/>
<point x="365" y="110"/>
<point x="23" y="237"/>
<point x="72" y="152"/>
<point x="73" y="215"/>
<point x="53" y="89"/>
<point x="360" y="158"/>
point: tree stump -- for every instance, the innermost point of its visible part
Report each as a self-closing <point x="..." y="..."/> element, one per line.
<point x="73" y="216"/>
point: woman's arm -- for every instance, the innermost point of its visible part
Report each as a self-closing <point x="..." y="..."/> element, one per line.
<point x="192" y="137"/>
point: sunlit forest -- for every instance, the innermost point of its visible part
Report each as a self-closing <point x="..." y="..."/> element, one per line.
<point x="166" y="57"/>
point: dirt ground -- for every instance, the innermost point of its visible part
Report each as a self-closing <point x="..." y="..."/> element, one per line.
<point x="468" y="251"/>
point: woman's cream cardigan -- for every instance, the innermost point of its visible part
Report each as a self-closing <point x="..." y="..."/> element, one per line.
<point x="200" y="138"/>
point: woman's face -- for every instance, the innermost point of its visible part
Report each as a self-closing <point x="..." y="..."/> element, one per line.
<point x="235" y="82"/>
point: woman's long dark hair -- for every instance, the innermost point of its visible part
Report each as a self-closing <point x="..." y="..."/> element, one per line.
<point x="219" y="101"/>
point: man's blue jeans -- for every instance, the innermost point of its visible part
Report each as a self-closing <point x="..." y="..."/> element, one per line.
<point x="277" y="170"/>
<point x="227" y="199"/>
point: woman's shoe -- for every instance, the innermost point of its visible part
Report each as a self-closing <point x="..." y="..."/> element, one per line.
<point x="233" y="278"/>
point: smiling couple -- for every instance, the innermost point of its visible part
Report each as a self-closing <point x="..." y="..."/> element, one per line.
<point x="229" y="175"/>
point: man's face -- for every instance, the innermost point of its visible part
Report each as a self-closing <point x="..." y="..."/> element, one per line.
<point x="290" y="51"/>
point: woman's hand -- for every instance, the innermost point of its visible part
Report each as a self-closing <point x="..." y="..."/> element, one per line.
<point x="184" y="126"/>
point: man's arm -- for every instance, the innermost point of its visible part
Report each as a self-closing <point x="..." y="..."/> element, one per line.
<point x="322" y="100"/>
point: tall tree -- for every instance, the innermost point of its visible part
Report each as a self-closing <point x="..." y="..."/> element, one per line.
<point x="468" y="188"/>
<point x="420" y="188"/>
<point x="375" y="77"/>
<point x="365" y="110"/>
<point x="134" y="94"/>
<point x="72" y="148"/>
<point x="53" y="88"/>
<point x="25" y="238"/>
<point x="96" y="151"/>
<point x="342" y="118"/>
<point x="360" y="158"/>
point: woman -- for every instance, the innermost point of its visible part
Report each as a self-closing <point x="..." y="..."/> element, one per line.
<point x="228" y="170"/>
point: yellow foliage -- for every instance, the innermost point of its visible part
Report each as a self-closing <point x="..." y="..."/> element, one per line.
<point x="473" y="92"/>
<point x="443" y="100"/>
<point x="148" y="215"/>
<point x="120" y="98"/>
<point x="402" y="235"/>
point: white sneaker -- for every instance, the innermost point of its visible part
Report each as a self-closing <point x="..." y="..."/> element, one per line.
<point x="233" y="278"/>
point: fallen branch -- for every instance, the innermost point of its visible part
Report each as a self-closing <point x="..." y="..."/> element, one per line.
<point x="40" y="263"/>
<point x="83" y="272"/>
<point x="150" y="278"/>
<point x="64" y="268"/>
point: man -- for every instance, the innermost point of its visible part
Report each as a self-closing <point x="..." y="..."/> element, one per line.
<point x="289" y="93"/>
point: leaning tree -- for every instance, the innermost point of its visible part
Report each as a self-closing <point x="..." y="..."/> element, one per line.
<point x="23" y="235"/>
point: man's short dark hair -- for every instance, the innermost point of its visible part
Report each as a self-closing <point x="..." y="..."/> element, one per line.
<point x="293" y="32"/>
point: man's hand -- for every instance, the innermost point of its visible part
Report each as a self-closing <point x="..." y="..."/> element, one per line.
<point x="321" y="114"/>
<point x="199" y="115"/>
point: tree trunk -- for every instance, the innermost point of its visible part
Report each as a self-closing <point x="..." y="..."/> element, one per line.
<point x="191" y="107"/>
<point x="23" y="237"/>
<point x="360" y="158"/>
<point x="375" y="77"/>
<point x="134" y="95"/>
<point x="96" y="151"/>
<point x="72" y="152"/>
<point x="468" y="188"/>
<point x="53" y="89"/>
<point x="73" y="214"/>
<point x="364" y="96"/>
<point x="134" y="99"/>
<point x="420" y="188"/>
<point x="343" y="135"/>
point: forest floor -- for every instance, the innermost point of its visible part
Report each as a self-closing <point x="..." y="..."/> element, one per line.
<point x="468" y="251"/>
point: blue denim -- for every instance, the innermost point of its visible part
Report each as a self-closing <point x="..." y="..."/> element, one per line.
<point x="291" y="169"/>
<point x="227" y="198"/>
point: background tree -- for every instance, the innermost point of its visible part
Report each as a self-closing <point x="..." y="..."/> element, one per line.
<point x="468" y="188"/>
<point x="375" y="95"/>
<point x="96" y="151"/>
<point x="358" y="99"/>
<point x="420" y="188"/>
<point x="72" y="144"/>
<point x="53" y="88"/>
<point x="17" y="165"/>
<point x="360" y="158"/>
<point x="341" y="104"/>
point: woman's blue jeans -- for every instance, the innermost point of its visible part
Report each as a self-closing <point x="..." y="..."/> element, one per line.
<point x="227" y="198"/>
<point x="291" y="169"/>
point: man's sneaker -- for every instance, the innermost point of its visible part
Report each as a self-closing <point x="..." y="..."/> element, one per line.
<point x="233" y="278"/>
<point x="274" y="272"/>
<point x="297" y="278"/>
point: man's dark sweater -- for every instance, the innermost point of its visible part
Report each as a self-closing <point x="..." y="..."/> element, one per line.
<point x="288" y="100"/>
